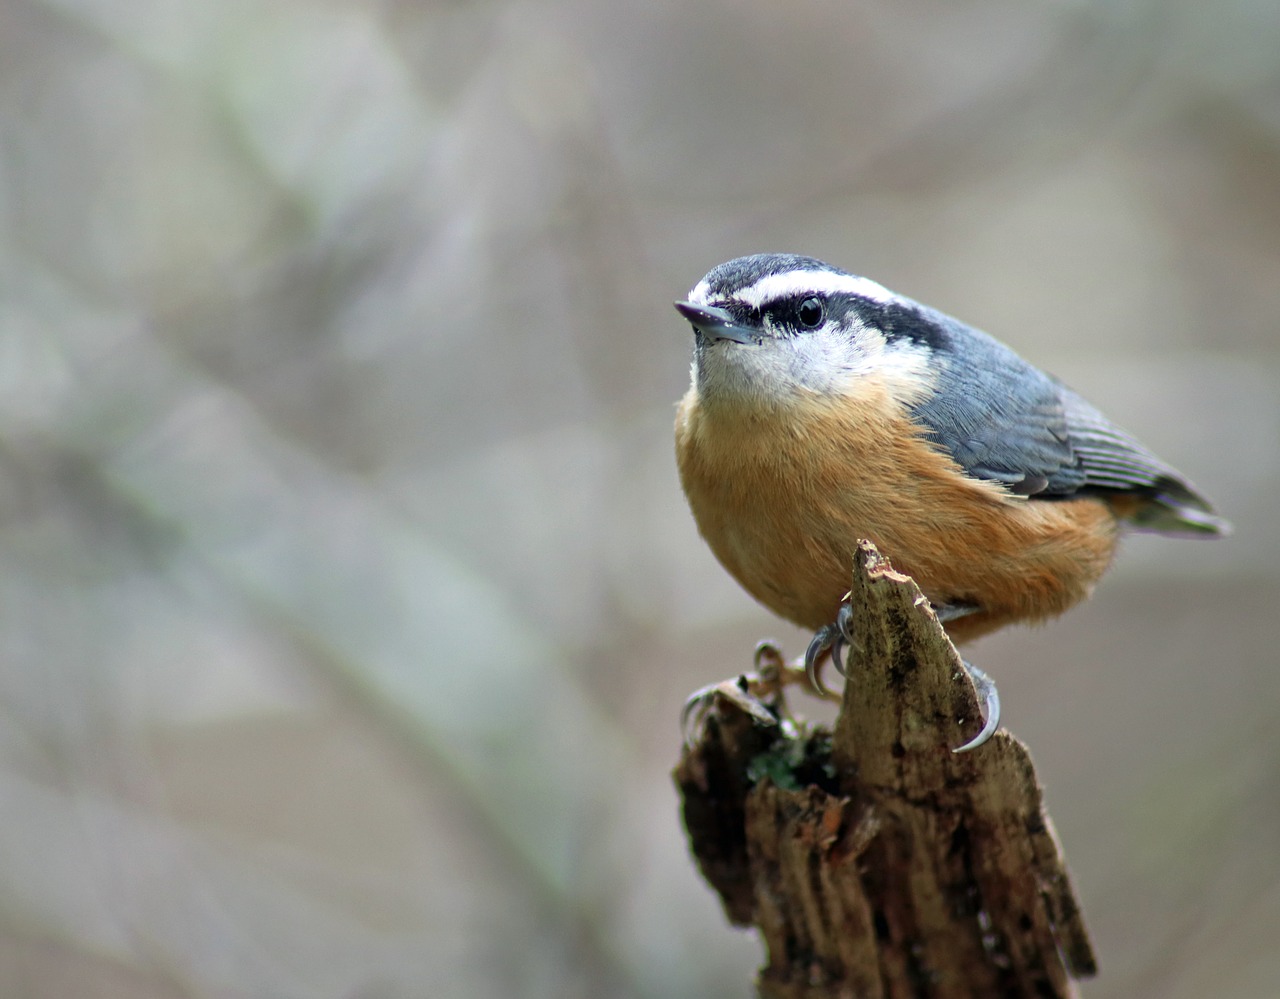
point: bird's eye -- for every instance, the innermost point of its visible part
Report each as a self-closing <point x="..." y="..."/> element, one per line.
<point x="810" y="313"/>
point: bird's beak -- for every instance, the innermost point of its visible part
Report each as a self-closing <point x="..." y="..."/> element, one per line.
<point x="716" y="323"/>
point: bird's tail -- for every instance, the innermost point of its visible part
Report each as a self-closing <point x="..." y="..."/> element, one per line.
<point x="1170" y="506"/>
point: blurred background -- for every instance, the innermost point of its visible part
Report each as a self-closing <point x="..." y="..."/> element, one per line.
<point x="348" y="598"/>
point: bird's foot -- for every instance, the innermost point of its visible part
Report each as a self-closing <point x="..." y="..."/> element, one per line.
<point x="773" y="674"/>
<point x="751" y="691"/>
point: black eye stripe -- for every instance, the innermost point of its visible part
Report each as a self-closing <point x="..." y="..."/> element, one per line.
<point x="899" y="319"/>
<point x="801" y="312"/>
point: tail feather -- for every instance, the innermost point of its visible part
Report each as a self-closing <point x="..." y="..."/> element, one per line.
<point x="1170" y="506"/>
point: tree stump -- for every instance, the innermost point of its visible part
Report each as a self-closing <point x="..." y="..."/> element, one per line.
<point x="873" y="860"/>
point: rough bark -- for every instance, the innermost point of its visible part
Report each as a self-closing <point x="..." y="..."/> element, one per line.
<point x="873" y="860"/>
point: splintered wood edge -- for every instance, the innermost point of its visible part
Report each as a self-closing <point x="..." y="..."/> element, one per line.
<point x="907" y="691"/>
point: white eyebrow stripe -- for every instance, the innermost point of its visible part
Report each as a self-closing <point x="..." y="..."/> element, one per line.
<point x="778" y="286"/>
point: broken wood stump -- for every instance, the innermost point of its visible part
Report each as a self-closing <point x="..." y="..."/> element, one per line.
<point x="872" y="859"/>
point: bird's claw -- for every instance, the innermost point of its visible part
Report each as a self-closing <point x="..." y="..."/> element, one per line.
<point x="698" y="704"/>
<point x="695" y="703"/>
<point x="822" y="640"/>
<point x="753" y="694"/>
<point x="990" y="698"/>
<point x="833" y="636"/>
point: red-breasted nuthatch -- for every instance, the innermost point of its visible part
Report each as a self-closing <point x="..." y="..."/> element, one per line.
<point x="825" y="408"/>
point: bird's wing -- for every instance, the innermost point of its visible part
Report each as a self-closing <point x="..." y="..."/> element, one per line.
<point x="1003" y="419"/>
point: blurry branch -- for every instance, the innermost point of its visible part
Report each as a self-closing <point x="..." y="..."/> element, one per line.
<point x="872" y="859"/>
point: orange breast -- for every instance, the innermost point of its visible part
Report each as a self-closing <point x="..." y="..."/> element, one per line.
<point x="783" y="495"/>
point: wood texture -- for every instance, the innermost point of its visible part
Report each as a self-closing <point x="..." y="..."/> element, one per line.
<point x="873" y="860"/>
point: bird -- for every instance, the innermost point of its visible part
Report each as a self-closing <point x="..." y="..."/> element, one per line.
<point x="824" y="408"/>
